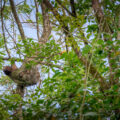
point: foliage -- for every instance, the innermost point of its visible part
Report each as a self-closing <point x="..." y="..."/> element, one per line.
<point x="70" y="89"/>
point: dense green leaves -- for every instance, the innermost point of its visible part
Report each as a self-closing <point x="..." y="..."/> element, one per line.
<point x="80" y="38"/>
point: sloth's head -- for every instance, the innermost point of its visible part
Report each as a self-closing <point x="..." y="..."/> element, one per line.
<point x="9" y="69"/>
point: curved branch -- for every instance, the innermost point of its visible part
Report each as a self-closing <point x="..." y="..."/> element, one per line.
<point x="46" y="25"/>
<point x="17" y="20"/>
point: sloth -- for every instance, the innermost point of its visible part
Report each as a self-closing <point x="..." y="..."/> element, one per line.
<point x="22" y="76"/>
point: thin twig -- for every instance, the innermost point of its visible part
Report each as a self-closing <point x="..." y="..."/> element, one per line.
<point x="60" y="3"/>
<point x="5" y="41"/>
<point x="37" y="26"/>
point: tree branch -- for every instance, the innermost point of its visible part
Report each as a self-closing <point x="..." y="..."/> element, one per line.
<point x="105" y="28"/>
<point x="118" y="34"/>
<point x="73" y="7"/>
<point x="37" y="61"/>
<point x="36" y="5"/>
<point x="103" y="24"/>
<point x="46" y="25"/>
<point x="60" y="3"/>
<point x="13" y="40"/>
<point x="17" y="20"/>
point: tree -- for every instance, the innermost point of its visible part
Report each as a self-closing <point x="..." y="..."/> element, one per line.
<point x="78" y="51"/>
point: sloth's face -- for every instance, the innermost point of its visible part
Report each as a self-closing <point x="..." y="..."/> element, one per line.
<point x="7" y="70"/>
